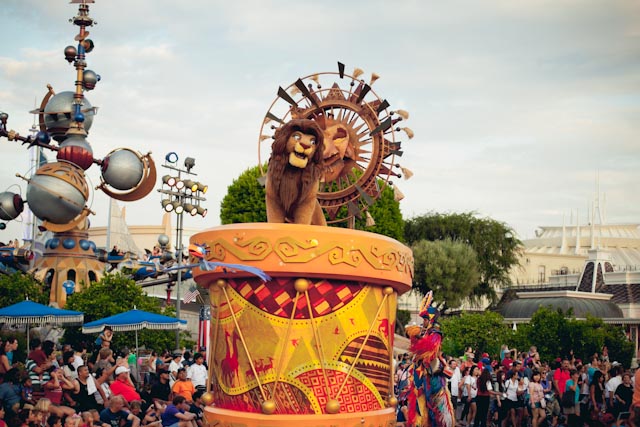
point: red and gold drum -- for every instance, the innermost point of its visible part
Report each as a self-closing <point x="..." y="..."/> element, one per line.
<point x="314" y="345"/>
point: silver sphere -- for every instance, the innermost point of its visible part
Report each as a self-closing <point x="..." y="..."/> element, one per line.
<point x="58" y="115"/>
<point x="89" y="79"/>
<point x="54" y="197"/>
<point x="11" y="205"/>
<point x="122" y="169"/>
<point x="163" y="239"/>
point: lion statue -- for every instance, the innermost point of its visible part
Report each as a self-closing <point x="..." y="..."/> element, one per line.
<point x="294" y="171"/>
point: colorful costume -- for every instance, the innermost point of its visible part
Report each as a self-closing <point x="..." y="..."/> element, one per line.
<point x="428" y="393"/>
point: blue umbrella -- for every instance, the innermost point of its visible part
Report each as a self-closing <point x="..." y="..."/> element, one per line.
<point x="28" y="312"/>
<point x="135" y="320"/>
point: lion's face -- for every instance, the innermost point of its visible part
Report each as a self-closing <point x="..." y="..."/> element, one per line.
<point x="301" y="147"/>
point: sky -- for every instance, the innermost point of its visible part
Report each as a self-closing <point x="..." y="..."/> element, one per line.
<point x="519" y="108"/>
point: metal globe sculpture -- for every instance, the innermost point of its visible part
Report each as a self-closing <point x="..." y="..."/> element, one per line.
<point x="59" y="115"/>
<point x="57" y="192"/>
<point x="122" y="169"/>
<point x="76" y="149"/>
<point x="11" y="205"/>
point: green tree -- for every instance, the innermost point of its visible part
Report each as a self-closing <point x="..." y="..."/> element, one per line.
<point x="495" y="244"/>
<point x="114" y="294"/>
<point x="17" y="287"/>
<point x="556" y="334"/>
<point x="485" y="332"/>
<point x="245" y="202"/>
<point x="448" y="268"/>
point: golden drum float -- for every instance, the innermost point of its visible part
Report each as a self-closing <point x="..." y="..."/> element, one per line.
<point x="314" y="345"/>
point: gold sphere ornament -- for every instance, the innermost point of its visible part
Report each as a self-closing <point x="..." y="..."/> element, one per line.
<point x="388" y="290"/>
<point x="221" y="283"/>
<point x="268" y="407"/>
<point x="333" y="406"/>
<point x="207" y="398"/>
<point x="392" y="401"/>
<point x="301" y="285"/>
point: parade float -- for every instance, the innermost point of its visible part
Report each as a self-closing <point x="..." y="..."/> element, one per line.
<point x="313" y="345"/>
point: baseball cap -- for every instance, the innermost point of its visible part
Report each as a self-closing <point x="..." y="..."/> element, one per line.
<point x="121" y="369"/>
<point x="485" y="355"/>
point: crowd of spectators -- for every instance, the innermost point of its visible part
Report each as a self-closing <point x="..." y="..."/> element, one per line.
<point x="64" y="386"/>
<point x="517" y="389"/>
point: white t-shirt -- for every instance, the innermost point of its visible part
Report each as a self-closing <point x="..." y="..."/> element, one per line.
<point x="473" y="383"/>
<point x="173" y="367"/>
<point x="511" y="389"/>
<point x="197" y="374"/>
<point x="612" y="385"/>
<point x="455" y="381"/>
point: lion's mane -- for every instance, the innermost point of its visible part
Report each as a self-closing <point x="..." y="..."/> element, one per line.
<point x="291" y="185"/>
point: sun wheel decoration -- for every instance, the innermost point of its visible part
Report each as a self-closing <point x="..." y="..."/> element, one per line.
<point x="361" y="135"/>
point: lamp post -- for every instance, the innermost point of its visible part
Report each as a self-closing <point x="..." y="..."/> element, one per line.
<point x="181" y="195"/>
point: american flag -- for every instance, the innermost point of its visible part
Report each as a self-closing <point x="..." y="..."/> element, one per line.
<point x="191" y="294"/>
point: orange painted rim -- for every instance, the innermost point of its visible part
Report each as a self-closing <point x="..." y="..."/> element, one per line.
<point x="293" y="250"/>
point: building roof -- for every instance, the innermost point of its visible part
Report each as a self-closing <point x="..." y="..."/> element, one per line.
<point x="524" y="308"/>
<point x="621" y="240"/>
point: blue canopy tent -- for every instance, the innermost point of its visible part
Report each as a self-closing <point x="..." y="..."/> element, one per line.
<point x="29" y="312"/>
<point x="135" y="320"/>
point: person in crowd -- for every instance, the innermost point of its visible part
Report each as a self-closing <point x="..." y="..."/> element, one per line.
<point x="105" y="335"/>
<point x="197" y="372"/>
<point x="84" y="389"/>
<point x="183" y="386"/>
<point x="615" y="379"/>
<point x="123" y="385"/>
<point x="536" y="399"/>
<point x="508" y="359"/>
<point x="6" y="354"/>
<point x="634" y="419"/>
<point x="596" y="395"/>
<point x="116" y="416"/>
<point x="79" y="354"/>
<point x="38" y="364"/>
<point x="161" y="391"/>
<point x="54" y="391"/>
<point x="511" y="398"/>
<point x="560" y="378"/>
<point x="152" y="366"/>
<point x="197" y="408"/>
<point x="26" y="393"/>
<point x="464" y="394"/>
<point x="102" y="379"/>
<point x="104" y="361"/>
<point x="454" y="381"/>
<point x="483" y="398"/>
<point x="146" y="419"/>
<point x="68" y="357"/>
<point x="8" y="394"/>
<point x="471" y="385"/>
<point x="176" y="414"/>
<point x="176" y="363"/>
<point x="54" y="421"/>
<point x="44" y="405"/>
<point x="623" y="395"/>
<point x="573" y="413"/>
